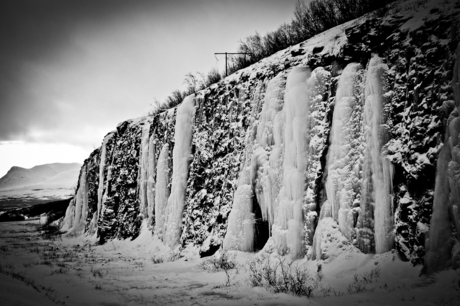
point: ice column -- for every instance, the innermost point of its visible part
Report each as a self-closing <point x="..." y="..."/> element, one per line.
<point x="143" y="169"/>
<point x="316" y="138"/>
<point x="377" y="172"/>
<point x="76" y="221"/>
<point x="439" y="247"/>
<point x="258" y="177"/>
<point x="92" y="228"/>
<point x="161" y="189"/>
<point x="344" y="161"/>
<point x="267" y="159"/>
<point x="288" y="228"/>
<point x="240" y="229"/>
<point x="447" y="192"/>
<point x="181" y="161"/>
<point x="151" y="181"/>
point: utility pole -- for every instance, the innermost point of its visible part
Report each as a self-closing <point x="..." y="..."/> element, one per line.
<point x="228" y="53"/>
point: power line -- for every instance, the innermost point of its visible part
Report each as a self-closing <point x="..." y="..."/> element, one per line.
<point x="226" y="54"/>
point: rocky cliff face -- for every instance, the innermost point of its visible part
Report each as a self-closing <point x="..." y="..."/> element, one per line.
<point x="357" y="125"/>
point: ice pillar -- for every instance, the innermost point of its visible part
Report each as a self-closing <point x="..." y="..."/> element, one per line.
<point x="446" y="206"/>
<point x="151" y="181"/>
<point x="288" y="228"/>
<point x="376" y="199"/>
<point x="181" y="161"/>
<point x="143" y="170"/>
<point x="78" y="210"/>
<point x="161" y="189"/>
<point x="344" y="161"/>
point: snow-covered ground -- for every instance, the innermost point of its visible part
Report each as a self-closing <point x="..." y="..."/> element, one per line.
<point x="40" y="270"/>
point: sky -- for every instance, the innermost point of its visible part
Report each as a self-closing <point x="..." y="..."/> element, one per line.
<point x="70" y="71"/>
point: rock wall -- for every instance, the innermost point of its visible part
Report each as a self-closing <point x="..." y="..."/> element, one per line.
<point x="345" y="127"/>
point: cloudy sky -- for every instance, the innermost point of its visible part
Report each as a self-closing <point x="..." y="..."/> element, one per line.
<point x="71" y="70"/>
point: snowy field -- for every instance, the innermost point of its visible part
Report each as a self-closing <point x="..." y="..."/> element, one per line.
<point x="41" y="269"/>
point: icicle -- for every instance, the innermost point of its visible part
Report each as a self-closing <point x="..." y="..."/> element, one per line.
<point x="439" y="243"/>
<point x="69" y="216"/>
<point x="440" y="249"/>
<point x="317" y="125"/>
<point x="265" y="173"/>
<point x="288" y="229"/>
<point x="346" y="149"/>
<point x="102" y="180"/>
<point x="151" y="181"/>
<point x="161" y="190"/>
<point x="181" y="161"/>
<point x="240" y="230"/>
<point x="377" y="174"/>
<point x="75" y="222"/>
<point x="143" y="169"/>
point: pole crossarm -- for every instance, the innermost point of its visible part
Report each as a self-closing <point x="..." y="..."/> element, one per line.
<point x="229" y="53"/>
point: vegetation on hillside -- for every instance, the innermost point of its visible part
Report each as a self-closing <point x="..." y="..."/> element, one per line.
<point x="309" y="19"/>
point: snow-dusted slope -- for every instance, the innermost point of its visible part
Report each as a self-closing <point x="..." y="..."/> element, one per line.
<point x="343" y="129"/>
<point x="57" y="174"/>
<point x="41" y="183"/>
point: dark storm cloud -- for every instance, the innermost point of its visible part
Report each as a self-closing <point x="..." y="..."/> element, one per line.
<point x="35" y="34"/>
<point x="71" y="70"/>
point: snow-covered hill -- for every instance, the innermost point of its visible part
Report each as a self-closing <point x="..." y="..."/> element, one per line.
<point x="343" y="131"/>
<point x="41" y="183"/>
<point x="57" y="174"/>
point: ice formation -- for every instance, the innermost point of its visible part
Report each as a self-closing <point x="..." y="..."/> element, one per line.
<point x="267" y="160"/>
<point x="151" y="181"/>
<point x="240" y="230"/>
<point x="144" y="169"/>
<point x="102" y="182"/>
<point x="181" y="161"/>
<point x="78" y="208"/>
<point x="161" y="189"/>
<point x="282" y="128"/>
<point x="440" y="244"/>
<point x="376" y="214"/>
<point x="288" y="228"/>
<point x="344" y="164"/>
<point x="258" y="177"/>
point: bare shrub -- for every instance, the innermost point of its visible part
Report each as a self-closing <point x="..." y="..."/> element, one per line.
<point x="360" y="282"/>
<point x="280" y="276"/>
<point x="220" y="262"/>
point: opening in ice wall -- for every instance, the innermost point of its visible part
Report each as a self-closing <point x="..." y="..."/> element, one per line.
<point x="375" y="221"/>
<point x="181" y="161"/>
<point x="258" y="183"/>
<point x="344" y="161"/>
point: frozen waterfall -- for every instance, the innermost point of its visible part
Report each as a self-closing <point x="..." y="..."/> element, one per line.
<point x="78" y="208"/>
<point x="344" y="162"/>
<point x="151" y="181"/>
<point x="161" y="189"/>
<point x="143" y="169"/>
<point x="446" y="207"/>
<point x="376" y="214"/>
<point x="181" y="160"/>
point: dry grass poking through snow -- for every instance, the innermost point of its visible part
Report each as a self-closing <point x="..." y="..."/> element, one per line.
<point x="280" y="276"/>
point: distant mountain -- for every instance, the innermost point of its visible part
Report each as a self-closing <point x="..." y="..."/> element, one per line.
<point x="56" y="175"/>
